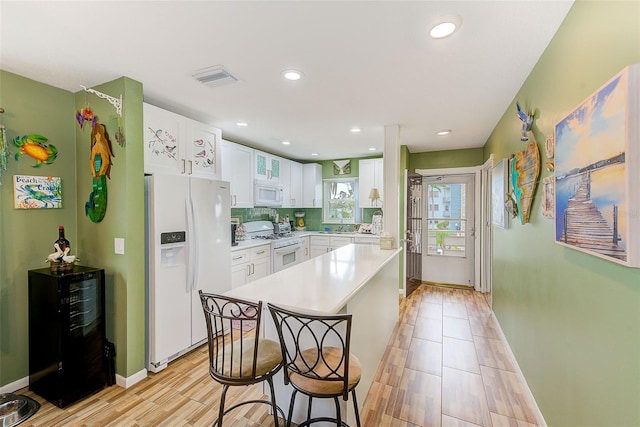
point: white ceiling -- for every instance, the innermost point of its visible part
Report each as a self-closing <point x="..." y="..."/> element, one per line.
<point x="366" y="64"/>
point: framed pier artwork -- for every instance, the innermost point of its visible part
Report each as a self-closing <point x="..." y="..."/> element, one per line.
<point x="597" y="156"/>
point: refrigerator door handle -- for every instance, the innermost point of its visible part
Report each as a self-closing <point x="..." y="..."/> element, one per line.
<point x="193" y="247"/>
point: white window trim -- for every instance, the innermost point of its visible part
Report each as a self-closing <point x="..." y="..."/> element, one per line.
<point x="326" y="199"/>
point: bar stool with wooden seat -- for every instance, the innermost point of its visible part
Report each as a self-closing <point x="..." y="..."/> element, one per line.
<point x="317" y="360"/>
<point x="237" y="354"/>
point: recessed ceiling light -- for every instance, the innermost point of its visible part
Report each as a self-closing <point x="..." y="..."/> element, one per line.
<point x="372" y="148"/>
<point x="314" y="154"/>
<point x="445" y="27"/>
<point x="286" y="143"/>
<point x="292" y="74"/>
<point x="444" y="132"/>
<point x="355" y="130"/>
<point x="242" y="124"/>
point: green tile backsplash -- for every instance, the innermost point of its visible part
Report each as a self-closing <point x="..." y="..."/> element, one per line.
<point x="312" y="218"/>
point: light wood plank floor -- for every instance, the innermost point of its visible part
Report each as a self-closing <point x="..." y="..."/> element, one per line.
<point x="445" y="365"/>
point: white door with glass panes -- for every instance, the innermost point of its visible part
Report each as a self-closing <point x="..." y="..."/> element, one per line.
<point x="448" y="255"/>
<point x="266" y="166"/>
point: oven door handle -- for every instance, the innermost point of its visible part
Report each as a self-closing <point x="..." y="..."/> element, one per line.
<point x="288" y="249"/>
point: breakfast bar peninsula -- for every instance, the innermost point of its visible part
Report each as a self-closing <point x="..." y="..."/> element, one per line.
<point x="361" y="280"/>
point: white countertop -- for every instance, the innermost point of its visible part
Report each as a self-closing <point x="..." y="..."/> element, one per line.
<point x="246" y="244"/>
<point x="324" y="283"/>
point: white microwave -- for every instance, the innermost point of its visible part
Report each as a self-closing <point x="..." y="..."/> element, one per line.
<point x="267" y="194"/>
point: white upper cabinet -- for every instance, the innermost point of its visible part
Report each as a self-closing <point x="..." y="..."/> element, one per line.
<point x="177" y="145"/>
<point x="266" y="166"/>
<point x="163" y="140"/>
<point x="291" y="180"/>
<point x="370" y="176"/>
<point x="235" y="158"/>
<point x="312" y="185"/>
<point x="296" y="185"/>
<point x="202" y="156"/>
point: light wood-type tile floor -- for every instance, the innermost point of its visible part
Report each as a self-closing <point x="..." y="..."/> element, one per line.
<point x="445" y="365"/>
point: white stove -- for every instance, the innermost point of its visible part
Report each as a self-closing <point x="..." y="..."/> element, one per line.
<point x="286" y="248"/>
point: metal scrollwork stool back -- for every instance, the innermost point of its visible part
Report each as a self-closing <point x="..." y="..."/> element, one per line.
<point x="317" y="361"/>
<point x="237" y="354"/>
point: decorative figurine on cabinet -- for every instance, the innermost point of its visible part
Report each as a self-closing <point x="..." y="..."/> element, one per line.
<point x="60" y="261"/>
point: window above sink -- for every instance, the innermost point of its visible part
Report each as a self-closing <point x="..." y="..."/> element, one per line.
<point x="340" y="201"/>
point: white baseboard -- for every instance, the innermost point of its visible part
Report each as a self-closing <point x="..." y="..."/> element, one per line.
<point x="540" y="421"/>
<point x="14" y="386"/>
<point x="126" y="382"/>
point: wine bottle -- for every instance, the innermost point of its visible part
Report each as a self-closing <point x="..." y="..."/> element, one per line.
<point x="62" y="242"/>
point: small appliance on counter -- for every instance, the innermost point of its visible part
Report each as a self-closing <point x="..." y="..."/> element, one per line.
<point x="300" y="221"/>
<point x="281" y="228"/>
<point x="233" y="234"/>
<point x="365" y="228"/>
<point x="376" y="223"/>
<point x="386" y="241"/>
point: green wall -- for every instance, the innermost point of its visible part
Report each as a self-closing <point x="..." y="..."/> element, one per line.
<point x="571" y="319"/>
<point x="27" y="236"/>
<point x="124" y="219"/>
<point x="446" y="159"/>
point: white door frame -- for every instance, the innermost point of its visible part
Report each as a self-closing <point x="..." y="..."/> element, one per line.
<point x="486" y="264"/>
<point x="480" y="217"/>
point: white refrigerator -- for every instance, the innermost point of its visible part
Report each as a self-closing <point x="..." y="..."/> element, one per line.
<point x="188" y="228"/>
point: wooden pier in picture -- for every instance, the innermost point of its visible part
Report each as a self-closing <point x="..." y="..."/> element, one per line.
<point x="585" y="226"/>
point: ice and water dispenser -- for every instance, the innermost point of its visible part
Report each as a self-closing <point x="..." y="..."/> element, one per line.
<point x="173" y="249"/>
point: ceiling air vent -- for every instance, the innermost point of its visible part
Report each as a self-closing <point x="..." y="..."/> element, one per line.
<point x="215" y="76"/>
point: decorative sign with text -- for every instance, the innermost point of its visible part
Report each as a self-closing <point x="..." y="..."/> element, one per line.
<point x="37" y="192"/>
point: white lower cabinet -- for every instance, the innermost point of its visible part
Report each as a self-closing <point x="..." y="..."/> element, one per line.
<point x="250" y="264"/>
<point x="319" y="245"/>
<point x="367" y="239"/>
<point x="306" y="253"/>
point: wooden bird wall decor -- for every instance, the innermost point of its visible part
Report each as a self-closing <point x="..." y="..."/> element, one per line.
<point x="525" y="168"/>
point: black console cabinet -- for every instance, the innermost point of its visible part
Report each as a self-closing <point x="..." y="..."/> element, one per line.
<point x="66" y="334"/>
